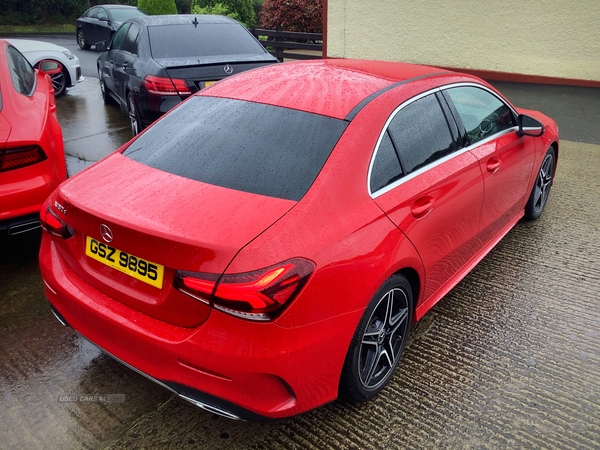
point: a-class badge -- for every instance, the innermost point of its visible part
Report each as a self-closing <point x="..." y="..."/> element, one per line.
<point x="106" y="233"/>
<point x="228" y="69"/>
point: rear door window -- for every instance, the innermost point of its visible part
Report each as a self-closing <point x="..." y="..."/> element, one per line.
<point x="420" y="133"/>
<point x="119" y="37"/>
<point x="251" y="147"/>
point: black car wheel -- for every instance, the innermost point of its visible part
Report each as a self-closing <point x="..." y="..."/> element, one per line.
<point x="81" y="40"/>
<point x="541" y="189"/>
<point x="134" y="117"/>
<point x="105" y="95"/>
<point x="378" y="341"/>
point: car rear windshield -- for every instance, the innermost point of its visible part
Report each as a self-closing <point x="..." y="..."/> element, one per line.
<point x="240" y="145"/>
<point x="207" y="39"/>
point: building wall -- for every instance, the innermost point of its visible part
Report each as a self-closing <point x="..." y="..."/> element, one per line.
<point x="550" y="38"/>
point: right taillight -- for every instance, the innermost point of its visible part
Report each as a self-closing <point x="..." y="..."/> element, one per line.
<point x="257" y="295"/>
<point x="54" y="224"/>
<point x="166" y="86"/>
<point x="15" y="158"/>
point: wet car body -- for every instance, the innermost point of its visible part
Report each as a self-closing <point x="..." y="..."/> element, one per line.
<point x="153" y="63"/>
<point x="32" y="159"/>
<point x="36" y="51"/>
<point x="296" y="247"/>
<point x="100" y="23"/>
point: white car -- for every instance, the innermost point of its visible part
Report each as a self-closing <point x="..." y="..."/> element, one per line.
<point x="35" y="51"/>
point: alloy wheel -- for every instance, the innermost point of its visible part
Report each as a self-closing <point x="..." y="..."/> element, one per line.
<point x="383" y="339"/>
<point x="543" y="183"/>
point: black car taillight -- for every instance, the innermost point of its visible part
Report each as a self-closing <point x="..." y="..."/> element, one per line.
<point x="54" y="224"/>
<point x="15" y="158"/>
<point x="166" y="86"/>
<point x="257" y="295"/>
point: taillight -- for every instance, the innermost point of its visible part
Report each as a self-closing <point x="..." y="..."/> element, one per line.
<point x="166" y="86"/>
<point x="54" y="224"/>
<point x="15" y="158"/>
<point x="256" y="295"/>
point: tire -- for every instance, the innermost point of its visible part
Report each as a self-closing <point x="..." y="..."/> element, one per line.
<point x="134" y="117"/>
<point x="83" y="45"/>
<point x="103" y="90"/>
<point x="379" y="341"/>
<point x="541" y="188"/>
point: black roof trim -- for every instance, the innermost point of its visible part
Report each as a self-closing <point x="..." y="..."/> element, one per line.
<point x="352" y="114"/>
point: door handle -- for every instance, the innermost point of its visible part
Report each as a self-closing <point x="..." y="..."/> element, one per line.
<point x="421" y="207"/>
<point x="493" y="165"/>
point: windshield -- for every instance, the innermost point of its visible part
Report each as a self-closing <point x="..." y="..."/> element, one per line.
<point x="240" y="145"/>
<point x="207" y="39"/>
<point x="121" y="14"/>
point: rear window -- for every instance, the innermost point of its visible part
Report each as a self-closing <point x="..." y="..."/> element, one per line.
<point x="206" y="39"/>
<point x="240" y="145"/>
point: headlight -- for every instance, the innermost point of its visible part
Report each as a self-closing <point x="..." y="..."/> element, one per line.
<point x="69" y="55"/>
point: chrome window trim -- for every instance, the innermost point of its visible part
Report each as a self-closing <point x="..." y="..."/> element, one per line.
<point x="437" y="162"/>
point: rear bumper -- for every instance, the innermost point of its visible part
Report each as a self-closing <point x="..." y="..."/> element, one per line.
<point x="233" y="367"/>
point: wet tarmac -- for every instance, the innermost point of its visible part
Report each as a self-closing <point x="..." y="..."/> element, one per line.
<point x="509" y="359"/>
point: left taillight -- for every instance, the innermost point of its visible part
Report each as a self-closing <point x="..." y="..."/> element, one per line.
<point x="16" y="158"/>
<point x="54" y="224"/>
<point x="166" y="86"/>
<point x="257" y="295"/>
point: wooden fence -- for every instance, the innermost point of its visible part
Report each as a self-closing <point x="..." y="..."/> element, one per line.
<point x="290" y="45"/>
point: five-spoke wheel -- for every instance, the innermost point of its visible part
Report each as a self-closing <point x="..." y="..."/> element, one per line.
<point x="379" y="340"/>
<point x="541" y="188"/>
<point x="81" y="40"/>
<point x="134" y="118"/>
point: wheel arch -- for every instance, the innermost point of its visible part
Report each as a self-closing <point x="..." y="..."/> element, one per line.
<point x="415" y="284"/>
<point x="554" y="145"/>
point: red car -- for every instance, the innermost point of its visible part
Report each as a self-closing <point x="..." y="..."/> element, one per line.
<point x="32" y="158"/>
<point x="266" y="245"/>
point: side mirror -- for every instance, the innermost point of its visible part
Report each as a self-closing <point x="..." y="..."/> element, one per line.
<point x="528" y="126"/>
<point x="49" y="67"/>
<point x="101" y="46"/>
<point x="103" y="19"/>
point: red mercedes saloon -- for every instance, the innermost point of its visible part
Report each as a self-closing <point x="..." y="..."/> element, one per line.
<point x="265" y="246"/>
<point x="32" y="157"/>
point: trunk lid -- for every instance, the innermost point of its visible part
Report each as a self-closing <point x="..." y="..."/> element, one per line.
<point x="212" y="69"/>
<point x="164" y="219"/>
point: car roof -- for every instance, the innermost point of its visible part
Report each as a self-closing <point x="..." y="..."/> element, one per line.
<point x="115" y="6"/>
<point x="182" y="19"/>
<point x="330" y="87"/>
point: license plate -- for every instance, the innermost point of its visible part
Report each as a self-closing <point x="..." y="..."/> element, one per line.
<point x="209" y="83"/>
<point x="135" y="267"/>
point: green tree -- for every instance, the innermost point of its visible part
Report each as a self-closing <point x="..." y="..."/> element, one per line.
<point x="156" y="7"/>
<point x="241" y="10"/>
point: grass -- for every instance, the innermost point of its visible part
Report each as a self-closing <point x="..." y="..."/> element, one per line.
<point x="40" y="29"/>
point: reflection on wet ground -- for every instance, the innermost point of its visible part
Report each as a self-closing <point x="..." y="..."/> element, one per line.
<point x="509" y="359"/>
<point x="91" y="129"/>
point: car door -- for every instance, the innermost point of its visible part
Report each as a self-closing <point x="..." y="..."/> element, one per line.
<point x="103" y="29"/>
<point x="88" y="25"/>
<point x="113" y="61"/>
<point x="506" y="159"/>
<point x="430" y="187"/>
<point x="124" y="59"/>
